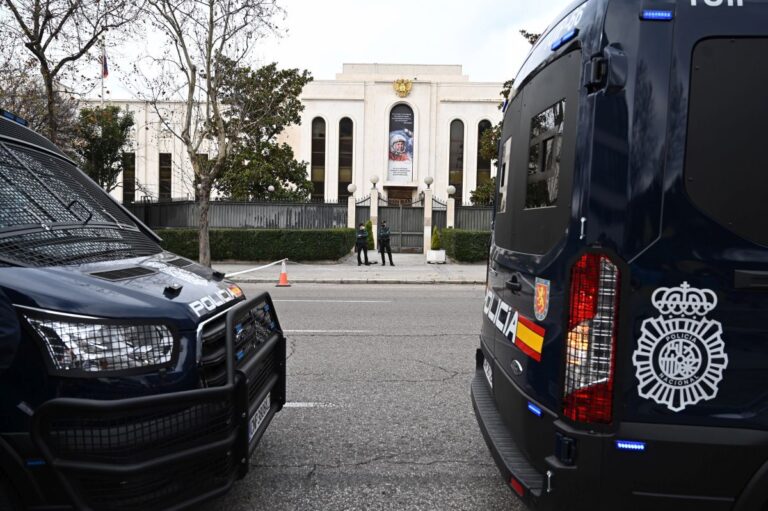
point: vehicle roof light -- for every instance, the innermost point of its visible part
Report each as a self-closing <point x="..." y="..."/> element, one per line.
<point x="657" y="15"/>
<point x="569" y="36"/>
<point x="13" y="117"/>
<point x="628" y="445"/>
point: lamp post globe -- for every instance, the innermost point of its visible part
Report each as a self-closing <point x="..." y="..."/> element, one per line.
<point x="429" y="180"/>
<point x="374" y="180"/>
<point x="270" y="188"/>
<point x="451" y="190"/>
<point x="351" y="188"/>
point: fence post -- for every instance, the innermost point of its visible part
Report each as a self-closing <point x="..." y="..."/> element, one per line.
<point x="375" y="215"/>
<point x="450" y="213"/>
<point x="427" y="221"/>
<point x="351" y="211"/>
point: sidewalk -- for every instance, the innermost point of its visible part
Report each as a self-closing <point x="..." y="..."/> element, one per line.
<point x="408" y="269"/>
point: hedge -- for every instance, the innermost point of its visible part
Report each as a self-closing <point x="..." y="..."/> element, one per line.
<point x="466" y="246"/>
<point x="263" y="244"/>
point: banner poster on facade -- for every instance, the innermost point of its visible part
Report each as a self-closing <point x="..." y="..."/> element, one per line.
<point x="401" y="145"/>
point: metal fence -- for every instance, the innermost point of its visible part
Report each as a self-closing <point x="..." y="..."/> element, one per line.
<point x="474" y="218"/>
<point x="255" y="215"/>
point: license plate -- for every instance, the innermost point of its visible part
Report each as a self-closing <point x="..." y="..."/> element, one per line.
<point x="488" y="372"/>
<point x="258" y="417"/>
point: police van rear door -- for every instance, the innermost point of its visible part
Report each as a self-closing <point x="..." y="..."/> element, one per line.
<point x="700" y="334"/>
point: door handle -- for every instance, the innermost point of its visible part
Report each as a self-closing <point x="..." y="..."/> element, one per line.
<point x="514" y="284"/>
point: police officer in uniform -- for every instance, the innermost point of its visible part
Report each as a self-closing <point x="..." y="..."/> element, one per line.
<point x="384" y="243"/>
<point x="361" y="245"/>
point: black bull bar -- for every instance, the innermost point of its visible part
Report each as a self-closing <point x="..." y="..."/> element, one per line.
<point x="167" y="451"/>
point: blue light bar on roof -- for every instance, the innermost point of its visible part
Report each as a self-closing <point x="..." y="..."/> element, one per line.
<point x="569" y="36"/>
<point x="534" y="409"/>
<point x="15" y="118"/>
<point x="628" y="445"/>
<point x="656" y="15"/>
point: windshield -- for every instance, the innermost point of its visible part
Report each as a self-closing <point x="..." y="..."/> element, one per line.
<point x="52" y="214"/>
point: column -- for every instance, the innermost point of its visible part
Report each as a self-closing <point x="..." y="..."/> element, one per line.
<point x="351" y="211"/>
<point x="450" y="214"/>
<point x="375" y="216"/>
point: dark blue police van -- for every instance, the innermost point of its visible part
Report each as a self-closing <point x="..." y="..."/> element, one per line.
<point x="624" y="349"/>
<point x="130" y="378"/>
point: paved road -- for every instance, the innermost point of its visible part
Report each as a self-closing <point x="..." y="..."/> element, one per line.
<point x="379" y="414"/>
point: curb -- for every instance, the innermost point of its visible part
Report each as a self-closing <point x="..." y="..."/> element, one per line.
<point x="362" y="281"/>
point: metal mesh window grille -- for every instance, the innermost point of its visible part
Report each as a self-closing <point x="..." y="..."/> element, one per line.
<point x="93" y="347"/>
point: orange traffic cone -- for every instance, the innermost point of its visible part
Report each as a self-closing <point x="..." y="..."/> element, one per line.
<point x="283" y="278"/>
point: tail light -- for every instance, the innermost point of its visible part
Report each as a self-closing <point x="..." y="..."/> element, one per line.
<point x="591" y="340"/>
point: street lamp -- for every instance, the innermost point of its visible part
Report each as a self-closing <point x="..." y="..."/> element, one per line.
<point x="374" y="180"/>
<point x="351" y="188"/>
<point x="270" y="189"/>
<point x="451" y="190"/>
<point x="428" y="181"/>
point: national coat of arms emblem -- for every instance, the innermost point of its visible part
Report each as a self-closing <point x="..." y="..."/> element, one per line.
<point x="541" y="299"/>
<point x="402" y="87"/>
<point x="680" y="356"/>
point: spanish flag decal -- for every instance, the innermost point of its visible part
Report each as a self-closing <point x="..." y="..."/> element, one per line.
<point x="529" y="338"/>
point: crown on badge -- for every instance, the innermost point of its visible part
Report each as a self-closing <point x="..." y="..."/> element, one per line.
<point x="684" y="300"/>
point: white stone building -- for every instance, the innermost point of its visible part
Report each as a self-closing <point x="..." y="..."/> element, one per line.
<point x="400" y="123"/>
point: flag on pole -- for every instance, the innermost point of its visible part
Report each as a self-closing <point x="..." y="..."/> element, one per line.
<point x="104" y="68"/>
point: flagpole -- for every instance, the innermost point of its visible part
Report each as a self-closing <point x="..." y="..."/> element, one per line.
<point x="103" y="53"/>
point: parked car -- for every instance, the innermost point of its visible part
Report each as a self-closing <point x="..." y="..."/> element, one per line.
<point x="624" y="348"/>
<point x="139" y="379"/>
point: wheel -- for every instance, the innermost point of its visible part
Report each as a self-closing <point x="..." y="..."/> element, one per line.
<point x="9" y="500"/>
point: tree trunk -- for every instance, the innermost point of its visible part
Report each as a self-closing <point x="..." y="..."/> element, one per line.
<point x="52" y="121"/>
<point x="205" y="245"/>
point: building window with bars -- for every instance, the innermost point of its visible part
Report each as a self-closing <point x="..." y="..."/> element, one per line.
<point x="129" y="177"/>
<point x="165" y="176"/>
<point x="318" y="159"/>
<point x="456" y="158"/>
<point x="346" y="143"/>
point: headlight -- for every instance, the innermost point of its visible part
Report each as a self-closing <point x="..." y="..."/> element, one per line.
<point x="85" y="344"/>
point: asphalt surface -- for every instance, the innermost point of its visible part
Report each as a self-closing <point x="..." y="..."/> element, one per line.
<point x="379" y="413"/>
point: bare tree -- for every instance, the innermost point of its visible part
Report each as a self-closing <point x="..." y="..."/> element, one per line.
<point x="201" y="34"/>
<point x="58" y="33"/>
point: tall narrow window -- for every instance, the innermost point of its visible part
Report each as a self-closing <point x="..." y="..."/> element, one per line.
<point x="483" y="164"/>
<point x="318" y="159"/>
<point x="456" y="158"/>
<point x="346" y="139"/>
<point x="164" y="177"/>
<point x="129" y="177"/>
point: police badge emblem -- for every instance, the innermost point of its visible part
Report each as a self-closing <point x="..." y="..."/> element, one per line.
<point x="680" y="356"/>
<point x="541" y="299"/>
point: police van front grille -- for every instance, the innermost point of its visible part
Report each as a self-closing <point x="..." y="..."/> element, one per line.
<point x="253" y="331"/>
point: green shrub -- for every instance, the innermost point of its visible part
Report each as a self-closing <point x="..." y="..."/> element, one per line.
<point x="263" y="244"/>
<point x="437" y="241"/>
<point x="466" y="246"/>
<point x="369" y="230"/>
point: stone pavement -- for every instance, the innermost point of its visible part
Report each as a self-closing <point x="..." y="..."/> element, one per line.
<point x="408" y="269"/>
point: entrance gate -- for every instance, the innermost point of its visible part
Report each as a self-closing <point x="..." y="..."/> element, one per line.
<point x="406" y="225"/>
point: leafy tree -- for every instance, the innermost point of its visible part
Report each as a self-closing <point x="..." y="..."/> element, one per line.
<point x="102" y="134"/>
<point x="437" y="241"/>
<point x="202" y="36"/>
<point x="484" y="194"/>
<point x="262" y="102"/>
<point x="489" y="141"/>
<point x="58" y="33"/>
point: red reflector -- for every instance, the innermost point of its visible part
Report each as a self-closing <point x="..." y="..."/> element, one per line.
<point x="585" y="287"/>
<point x="517" y="486"/>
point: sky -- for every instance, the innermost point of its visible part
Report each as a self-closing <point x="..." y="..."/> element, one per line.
<point x="321" y="35"/>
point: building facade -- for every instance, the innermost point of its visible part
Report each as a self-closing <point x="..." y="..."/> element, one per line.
<point x="394" y="124"/>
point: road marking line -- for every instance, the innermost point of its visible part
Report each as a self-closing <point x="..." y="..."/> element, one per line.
<point x="335" y="301"/>
<point x="327" y="331"/>
<point x="308" y="405"/>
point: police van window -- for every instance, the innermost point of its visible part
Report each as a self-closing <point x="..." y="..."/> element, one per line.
<point x="544" y="157"/>
<point x="506" y="149"/>
<point x="540" y="130"/>
<point x="726" y="162"/>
